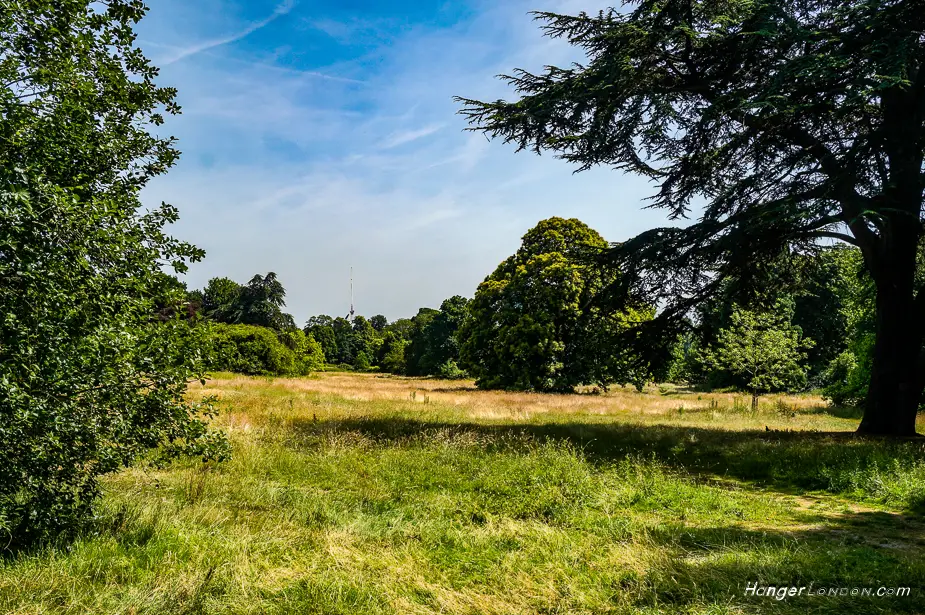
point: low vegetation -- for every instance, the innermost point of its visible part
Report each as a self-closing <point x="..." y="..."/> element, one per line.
<point x="358" y="493"/>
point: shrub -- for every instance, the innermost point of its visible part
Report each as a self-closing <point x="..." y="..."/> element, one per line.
<point x="361" y="362"/>
<point x="258" y="351"/>
<point x="308" y="353"/>
<point x="451" y="371"/>
<point x="846" y="378"/>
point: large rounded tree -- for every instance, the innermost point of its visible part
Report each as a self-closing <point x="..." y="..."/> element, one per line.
<point x="534" y="323"/>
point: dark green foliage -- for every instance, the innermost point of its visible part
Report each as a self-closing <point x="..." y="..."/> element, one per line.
<point x="220" y="299"/>
<point x="847" y="375"/>
<point x="824" y="302"/>
<point x="361" y="362"/>
<point x="824" y="289"/>
<point x="763" y="348"/>
<point x="451" y="371"/>
<point x="391" y="354"/>
<point x="324" y="334"/>
<point x="433" y="339"/>
<point x="379" y="322"/>
<point x="535" y="324"/>
<point x="794" y="120"/>
<point x="259" y="351"/>
<point x="347" y="344"/>
<point x="93" y="364"/>
<point x="414" y="353"/>
<point x="259" y="302"/>
<point x="401" y="328"/>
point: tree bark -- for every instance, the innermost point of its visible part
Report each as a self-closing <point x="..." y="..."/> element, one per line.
<point x="896" y="380"/>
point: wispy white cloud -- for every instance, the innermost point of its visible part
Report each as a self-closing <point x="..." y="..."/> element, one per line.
<point x="431" y="217"/>
<point x="280" y="10"/>
<point x="407" y="136"/>
<point x="286" y="171"/>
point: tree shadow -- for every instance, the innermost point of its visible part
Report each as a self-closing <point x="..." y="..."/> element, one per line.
<point x="790" y="462"/>
<point x="847" y="551"/>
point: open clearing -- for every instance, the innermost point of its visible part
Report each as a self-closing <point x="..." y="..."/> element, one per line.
<point x="353" y="494"/>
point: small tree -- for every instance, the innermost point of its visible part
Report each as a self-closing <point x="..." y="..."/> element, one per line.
<point x="764" y="347"/>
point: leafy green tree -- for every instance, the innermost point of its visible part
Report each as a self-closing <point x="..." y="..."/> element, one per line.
<point x="391" y="354"/>
<point x="260" y="303"/>
<point x="90" y="382"/>
<point x="325" y="336"/>
<point x="534" y="324"/>
<point x="417" y="346"/>
<point x="402" y="328"/>
<point x="322" y="320"/>
<point x="379" y="322"/>
<point x="220" y="299"/>
<point x="366" y="339"/>
<point x="822" y="286"/>
<point x="794" y="120"/>
<point x="764" y="347"/>
<point x="825" y="303"/>
<point x="434" y="341"/>
<point x="347" y="343"/>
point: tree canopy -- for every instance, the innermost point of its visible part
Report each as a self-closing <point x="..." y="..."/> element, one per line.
<point x="259" y="302"/>
<point x="763" y="347"/>
<point x="794" y="120"/>
<point x="533" y="323"/>
<point x="90" y="379"/>
<point x="434" y="341"/>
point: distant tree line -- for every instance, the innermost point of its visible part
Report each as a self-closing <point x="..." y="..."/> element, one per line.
<point x="541" y="322"/>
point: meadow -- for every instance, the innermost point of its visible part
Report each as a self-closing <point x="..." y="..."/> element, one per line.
<point x="365" y="493"/>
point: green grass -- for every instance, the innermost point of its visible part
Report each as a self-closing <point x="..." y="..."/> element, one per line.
<point x="347" y="494"/>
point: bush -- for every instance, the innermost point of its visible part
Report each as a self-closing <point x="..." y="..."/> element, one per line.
<point x="451" y="371"/>
<point x="90" y="380"/>
<point x="308" y="353"/>
<point x="258" y="351"/>
<point x="846" y="378"/>
<point x="361" y="362"/>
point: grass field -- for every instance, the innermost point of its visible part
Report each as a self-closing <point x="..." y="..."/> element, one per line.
<point x="359" y="494"/>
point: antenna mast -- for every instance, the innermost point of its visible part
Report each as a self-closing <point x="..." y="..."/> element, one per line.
<point x="350" y="316"/>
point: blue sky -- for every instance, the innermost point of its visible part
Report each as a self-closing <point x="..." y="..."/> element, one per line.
<point x="320" y="134"/>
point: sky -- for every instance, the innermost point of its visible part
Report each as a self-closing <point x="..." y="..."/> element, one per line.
<point x="317" y="135"/>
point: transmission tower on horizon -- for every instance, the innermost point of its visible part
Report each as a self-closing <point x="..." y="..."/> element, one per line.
<point x="351" y="314"/>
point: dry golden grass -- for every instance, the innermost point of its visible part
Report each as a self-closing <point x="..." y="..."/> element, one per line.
<point x="668" y="404"/>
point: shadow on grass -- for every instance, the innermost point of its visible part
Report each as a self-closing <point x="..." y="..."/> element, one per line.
<point x="862" y="468"/>
<point x="842" y="412"/>
<point x="830" y="561"/>
<point x="702" y="570"/>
